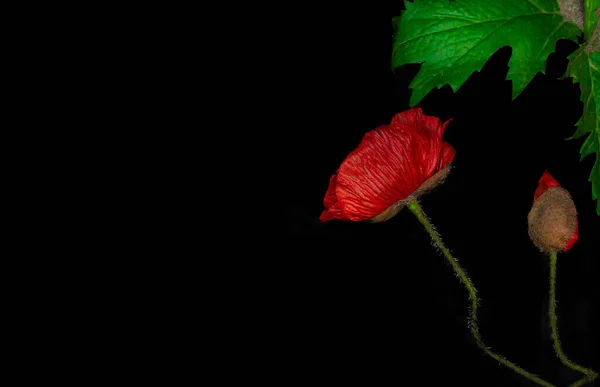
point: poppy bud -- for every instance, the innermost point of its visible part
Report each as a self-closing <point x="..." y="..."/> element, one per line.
<point x="553" y="217"/>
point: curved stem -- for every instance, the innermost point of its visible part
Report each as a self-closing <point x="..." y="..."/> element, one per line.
<point x="584" y="381"/>
<point x="590" y="375"/>
<point x="415" y="208"/>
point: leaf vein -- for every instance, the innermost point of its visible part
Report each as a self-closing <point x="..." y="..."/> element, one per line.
<point x="472" y="24"/>
<point x="536" y="6"/>
<point x="550" y="37"/>
<point x="470" y="49"/>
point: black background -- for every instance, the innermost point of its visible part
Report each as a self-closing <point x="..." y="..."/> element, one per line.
<point x="376" y="304"/>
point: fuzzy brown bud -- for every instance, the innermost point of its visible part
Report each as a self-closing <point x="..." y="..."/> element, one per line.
<point x="553" y="220"/>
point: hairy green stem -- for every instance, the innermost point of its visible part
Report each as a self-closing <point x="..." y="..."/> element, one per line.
<point x="590" y="19"/>
<point x="415" y="208"/>
<point x="590" y="375"/>
<point x="584" y="381"/>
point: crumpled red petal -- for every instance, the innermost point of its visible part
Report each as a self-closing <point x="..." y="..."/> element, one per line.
<point x="390" y="163"/>
<point x="415" y="118"/>
<point x="573" y="239"/>
<point x="446" y="154"/>
<point x="331" y="202"/>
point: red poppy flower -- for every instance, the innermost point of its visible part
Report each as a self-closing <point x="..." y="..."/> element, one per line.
<point x="552" y="220"/>
<point x="392" y="166"/>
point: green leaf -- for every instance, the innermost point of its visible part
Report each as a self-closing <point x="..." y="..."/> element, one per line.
<point x="584" y="67"/>
<point x="455" y="38"/>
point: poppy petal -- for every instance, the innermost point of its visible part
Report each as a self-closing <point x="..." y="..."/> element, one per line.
<point x="447" y="154"/>
<point x="443" y="127"/>
<point x="388" y="165"/>
<point x="333" y="212"/>
<point x="573" y="239"/>
<point x="330" y="196"/>
<point x="415" y="118"/>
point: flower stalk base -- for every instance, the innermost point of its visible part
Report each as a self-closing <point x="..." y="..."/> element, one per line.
<point x="589" y="374"/>
<point x="415" y="208"/>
